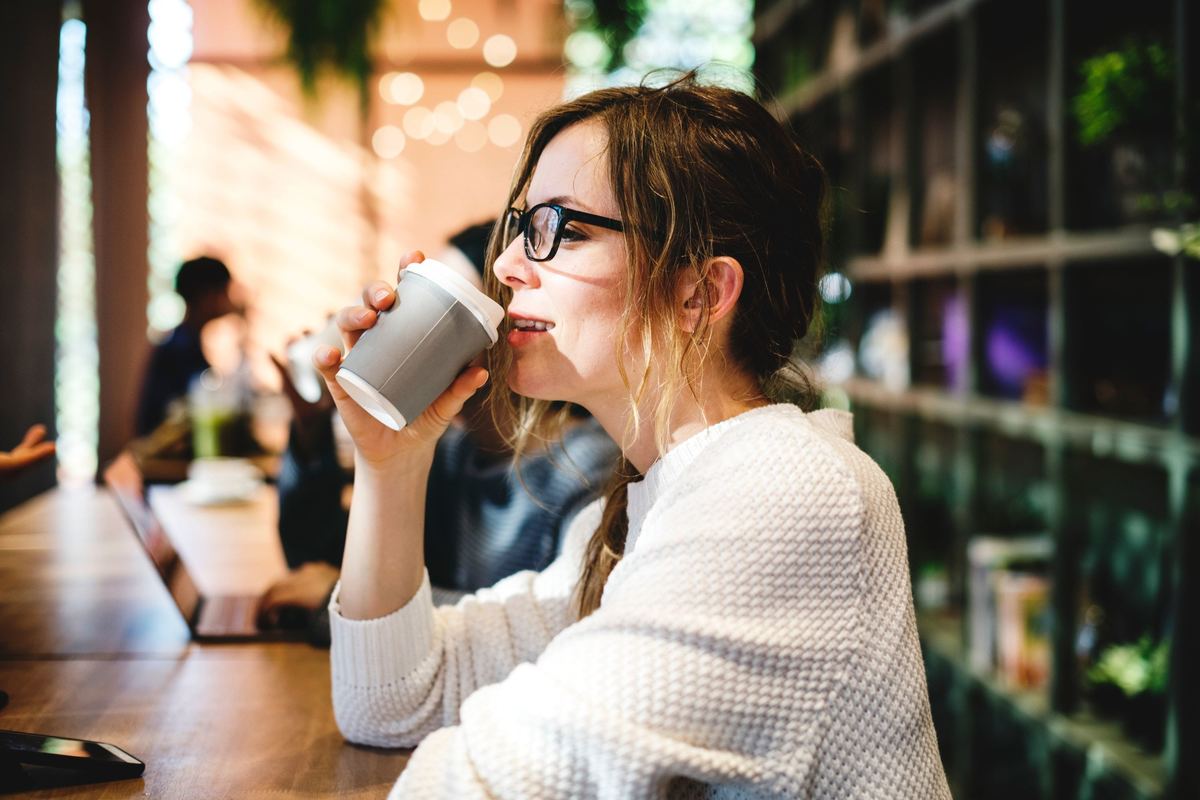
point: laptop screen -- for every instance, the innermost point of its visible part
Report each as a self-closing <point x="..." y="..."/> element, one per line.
<point x="126" y="483"/>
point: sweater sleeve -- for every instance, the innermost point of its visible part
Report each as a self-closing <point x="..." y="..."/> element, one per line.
<point x="720" y="646"/>
<point x="400" y="677"/>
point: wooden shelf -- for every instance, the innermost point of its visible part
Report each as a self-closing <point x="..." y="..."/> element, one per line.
<point x="1018" y="253"/>
<point x="1105" y="747"/>
<point x="1102" y="437"/>
<point x="808" y="94"/>
<point x="905" y="125"/>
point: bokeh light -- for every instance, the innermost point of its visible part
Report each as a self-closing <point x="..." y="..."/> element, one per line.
<point x="504" y="130"/>
<point x="446" y="117"/>
<point x="835" y="287"/>
<point x="499" y="50"/>
<point x="438" y="136"/>
<point x="434" y="10"/>
<point x="404" y="88"/>
<point x="491" y="83"/>
<point x="474" y="103"/>
<point x="388" y="141"/>
<point x="472" y="137"/>
<point x="418" y="122"/>
<point x="462" y="33"/>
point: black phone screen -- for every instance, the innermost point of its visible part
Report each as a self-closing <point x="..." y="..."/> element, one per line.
<point x="14" y="742"/>
<point x="40" y="750"/>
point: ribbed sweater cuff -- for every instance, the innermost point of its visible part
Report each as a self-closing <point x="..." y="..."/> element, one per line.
<point x="382" y="651"/>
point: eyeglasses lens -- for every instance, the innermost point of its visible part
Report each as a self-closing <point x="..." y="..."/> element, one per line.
<point x="542" y="229"/>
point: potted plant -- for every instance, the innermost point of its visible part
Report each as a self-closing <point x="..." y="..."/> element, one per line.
<point x="1129" y="681"/>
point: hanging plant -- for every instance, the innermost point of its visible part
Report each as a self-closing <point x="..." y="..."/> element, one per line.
<point x="1127" y="90"/>
<point x="333" y="35"/>
<point x="618" y="22"/>
<point x="613" y="23"/>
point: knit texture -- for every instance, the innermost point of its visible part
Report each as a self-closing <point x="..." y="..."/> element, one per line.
<point x="757" y="640"/>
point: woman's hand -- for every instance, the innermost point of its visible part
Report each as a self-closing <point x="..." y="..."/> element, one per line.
<point x="378" y="446"/>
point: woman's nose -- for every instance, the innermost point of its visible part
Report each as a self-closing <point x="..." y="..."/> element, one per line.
<point x="513" y="269"/>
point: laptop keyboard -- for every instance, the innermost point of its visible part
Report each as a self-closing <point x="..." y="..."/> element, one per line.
<point x="228" y="616"/>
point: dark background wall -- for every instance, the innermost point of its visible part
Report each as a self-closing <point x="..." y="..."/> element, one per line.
<point x="28" y="230"/>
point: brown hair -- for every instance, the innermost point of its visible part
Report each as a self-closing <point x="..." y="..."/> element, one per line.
<point x="698" y="171"/>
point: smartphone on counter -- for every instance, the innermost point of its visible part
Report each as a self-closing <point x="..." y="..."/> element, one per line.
<point x="101" y="760"/>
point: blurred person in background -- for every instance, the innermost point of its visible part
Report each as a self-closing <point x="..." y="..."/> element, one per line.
<point x="204" y="284"/>
<point x="485" y="518"/>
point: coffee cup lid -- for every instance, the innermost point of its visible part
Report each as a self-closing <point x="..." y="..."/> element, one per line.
<point x="485" y="309"/>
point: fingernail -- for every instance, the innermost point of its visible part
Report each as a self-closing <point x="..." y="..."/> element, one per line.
<point x="363" y="315"/>
<point x="325" y="354"/>
<point x="381" y="295"/>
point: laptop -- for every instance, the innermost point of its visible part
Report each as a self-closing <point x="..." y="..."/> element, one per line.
<point x="226" y="615"/>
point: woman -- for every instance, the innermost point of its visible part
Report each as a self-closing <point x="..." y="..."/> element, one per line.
<point x="734" y="618"/>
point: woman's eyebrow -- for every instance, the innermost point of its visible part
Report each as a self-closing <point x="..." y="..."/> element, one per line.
<point x="574" y="203"/>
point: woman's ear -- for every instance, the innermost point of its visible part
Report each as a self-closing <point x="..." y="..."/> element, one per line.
<point x="718" y="292"/>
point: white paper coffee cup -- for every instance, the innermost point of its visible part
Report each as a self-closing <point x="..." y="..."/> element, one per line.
<point x="418" y="347"/>
<point x="308" y="382"/>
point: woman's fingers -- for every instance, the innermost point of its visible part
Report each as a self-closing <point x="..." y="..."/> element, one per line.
<point x="353" y="320"/>
<point x="327" y="360"/>
<point x="378" y="295"/>
<point x="411" y="257"/>
<point x="436" y="418"/>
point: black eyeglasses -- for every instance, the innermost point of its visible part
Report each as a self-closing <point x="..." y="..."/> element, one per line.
<point x="543" y="226"/>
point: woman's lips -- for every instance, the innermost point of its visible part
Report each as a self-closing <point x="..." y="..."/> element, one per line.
<point x="525" y="329"/>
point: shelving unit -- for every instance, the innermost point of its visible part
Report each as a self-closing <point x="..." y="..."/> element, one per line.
<point x="1049" y="373"/>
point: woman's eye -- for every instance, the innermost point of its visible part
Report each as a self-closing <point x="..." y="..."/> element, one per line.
<point x="570" y="234"/>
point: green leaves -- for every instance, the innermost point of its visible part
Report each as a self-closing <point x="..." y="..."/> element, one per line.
<point x="1136" y="668"/>
<point x="1126" y="89"/>
<point x="329" y="34"/>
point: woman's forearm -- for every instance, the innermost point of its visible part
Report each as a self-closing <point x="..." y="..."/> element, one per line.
<point x="384" y="562"/>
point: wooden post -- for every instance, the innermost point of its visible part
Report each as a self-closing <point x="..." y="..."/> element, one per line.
<point x="117" y="70"/>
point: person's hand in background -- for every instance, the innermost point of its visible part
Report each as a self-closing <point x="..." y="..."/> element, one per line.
<point x="31" y="450"/>
<point x="307" y="587"/>
<point x="310" y="419"/>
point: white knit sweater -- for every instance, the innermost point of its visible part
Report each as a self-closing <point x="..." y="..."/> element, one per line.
<point x="757" y="640"/>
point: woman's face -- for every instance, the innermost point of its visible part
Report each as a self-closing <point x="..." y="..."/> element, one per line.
<point x="578" y="294"/>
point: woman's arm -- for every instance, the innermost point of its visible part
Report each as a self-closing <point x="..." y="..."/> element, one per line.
<point x="398" y="678"/>
<point x="383" y="565"/>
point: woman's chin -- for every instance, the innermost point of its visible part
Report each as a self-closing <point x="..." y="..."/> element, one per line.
<point x="531" y="387"/>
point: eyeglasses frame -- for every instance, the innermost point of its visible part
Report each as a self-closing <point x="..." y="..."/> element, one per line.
<point x="566" y="216"/>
